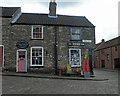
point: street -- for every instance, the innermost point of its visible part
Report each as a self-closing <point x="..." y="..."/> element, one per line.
<point x="24" y="85"/>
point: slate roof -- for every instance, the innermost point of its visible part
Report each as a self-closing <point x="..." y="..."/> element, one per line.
<point x="110" y="43"/>
<point x="8" y="11"/>
<point x="61" y="20"/>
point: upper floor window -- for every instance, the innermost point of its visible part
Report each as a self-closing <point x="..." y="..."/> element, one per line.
<point x="108" y="57"/>
<point x="75" y="33"/>
<point x="37" y="32"/>
<point x="102" y="51"/>
<point x="97" y="58"/>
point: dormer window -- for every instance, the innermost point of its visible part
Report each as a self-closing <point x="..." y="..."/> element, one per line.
<point x="75" y="33"/>
<point x="37" y="32"/>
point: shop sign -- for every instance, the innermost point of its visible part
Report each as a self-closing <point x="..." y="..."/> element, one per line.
<point x="88" y="41"/>
<point x="85" y="61"/>
<point x="22" y="44"/>
<point x="85" y="66"/>
<point x="75" y="44"/>
<point x="62" y="57"/>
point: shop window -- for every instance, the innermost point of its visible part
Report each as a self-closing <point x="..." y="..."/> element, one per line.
<point x="75" y="33"/>
<point x="108" y="57"/>
<point x="37" y="56"/>
<point x="75" y="57"/>
<point x="37" y="32"/>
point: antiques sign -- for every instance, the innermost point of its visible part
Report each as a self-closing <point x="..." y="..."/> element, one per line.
<point x="22" y="44"/>
<point x="75" y="44"/>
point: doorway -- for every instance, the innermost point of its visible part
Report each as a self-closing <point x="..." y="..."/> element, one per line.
<point x="103" y="63"/>
<point x="21" y="60"/>
<point x="1" y="56"/>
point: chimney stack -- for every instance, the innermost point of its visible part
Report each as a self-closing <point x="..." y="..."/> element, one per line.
<point x="52" y="8"/>
<point x="103" y="40"/>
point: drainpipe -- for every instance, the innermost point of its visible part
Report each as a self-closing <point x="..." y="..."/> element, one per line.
<point x="99" y="58"/>
<point x="55" y="46"/>
<point x="111" y="59"/>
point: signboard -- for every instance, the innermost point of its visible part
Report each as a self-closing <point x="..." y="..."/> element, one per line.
<point x="88" y="41"/>
<point x="68" y="69"/>
<point x="85" y="61"/>
<point x="75" y="44"/>
<point x="85" y="66"/>
<point x="62" y="57"/>
<point x="22" y="44"/>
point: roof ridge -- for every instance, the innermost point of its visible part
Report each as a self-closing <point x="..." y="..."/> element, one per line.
<point x="57" y="14"/>
<point x="112" y="39"/>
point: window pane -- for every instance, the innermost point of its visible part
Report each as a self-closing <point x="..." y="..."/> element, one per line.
<point x="37" y="61"/>
<point x="34" y="35"/>
<point x="37" y="29"/>
<point x="37" y="53"/>
<point x="37" y="35"/>
<point x="40" y="60"/>
<point x="40" y="29"/>
<point x="33" y="61"/>
<point x="34" y="29"/>
<point x="33" y="52"/>
<point x="21" y="54"/>
<point x="40" y="35"/>
<point x="40" y="50"/>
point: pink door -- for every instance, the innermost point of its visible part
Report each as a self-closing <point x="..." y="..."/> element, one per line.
<point x="1" y="56"/>
<point x="22" y="61"/>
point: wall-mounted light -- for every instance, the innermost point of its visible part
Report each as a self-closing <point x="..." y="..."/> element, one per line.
<point x="12" y="33"/>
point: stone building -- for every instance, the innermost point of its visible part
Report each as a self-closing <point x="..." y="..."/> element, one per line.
<point x="45" y="43"/>
<point x="107" y="54"/>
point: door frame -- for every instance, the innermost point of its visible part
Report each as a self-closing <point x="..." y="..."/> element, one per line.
<point x="17" y="59"/>
<point x="3" y="56"/>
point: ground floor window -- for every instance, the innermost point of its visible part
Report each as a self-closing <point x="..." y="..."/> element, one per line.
<point x="36" y="56"/>
<point x="75" y="57"/>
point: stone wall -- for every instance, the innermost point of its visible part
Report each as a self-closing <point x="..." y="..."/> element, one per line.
<point x="16" y="33"/>
<point x="63" y="37"/>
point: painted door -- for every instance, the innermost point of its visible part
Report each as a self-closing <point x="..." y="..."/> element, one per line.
<point x="1" y="56"/>
<point x="21" y="61"/>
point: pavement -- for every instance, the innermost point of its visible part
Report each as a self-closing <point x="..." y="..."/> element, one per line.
<point x="51" y="76"/>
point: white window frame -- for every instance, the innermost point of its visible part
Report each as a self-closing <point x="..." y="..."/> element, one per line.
<point x="72" y="35"/>
<point x="42" y="56"/>
<point x="32" y="31"/>
<point x="70" y="57"/>
<point x="3" y="56"/>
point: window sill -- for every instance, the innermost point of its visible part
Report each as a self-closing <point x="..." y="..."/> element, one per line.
<point x="36" y="66"/>
<point x="75" y="66"/>
<point x="37" y="39"/>
<point x="75" y="40"/>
